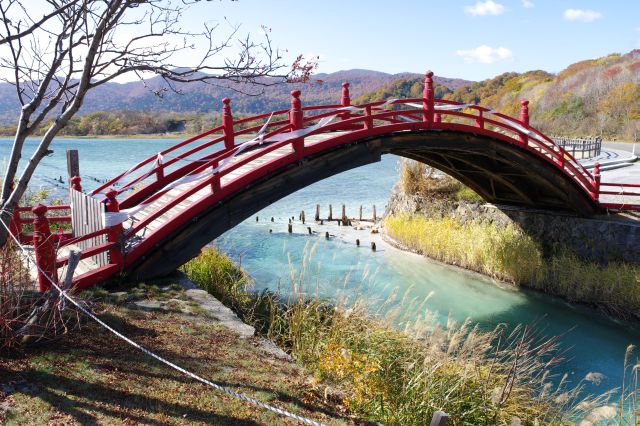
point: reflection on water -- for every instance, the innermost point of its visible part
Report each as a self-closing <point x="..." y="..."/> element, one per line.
<point x="337" y="268"/>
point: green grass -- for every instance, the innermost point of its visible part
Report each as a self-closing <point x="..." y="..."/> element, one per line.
<point x="401" y="377"/>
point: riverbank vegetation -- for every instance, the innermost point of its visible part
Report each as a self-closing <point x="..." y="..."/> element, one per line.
<point x="400" y="377"/>
<point x="505" y="252"/>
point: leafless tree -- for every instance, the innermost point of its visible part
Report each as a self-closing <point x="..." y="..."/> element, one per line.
<point x="53" y="61"/>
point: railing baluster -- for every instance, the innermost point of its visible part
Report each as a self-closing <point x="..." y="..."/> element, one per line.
<point x="524" y="119"/>
<point x="227" y="124"/>
<point x="43" y="243"/>
<point x="480" y="119"/>
<point x="427" y="104"/>
<point x="116" y="231"/>
<point x="345" y="101"/>
<point x="368" y="121"/>
<point x="296" y="118"/>
<point x="596" y="180"/>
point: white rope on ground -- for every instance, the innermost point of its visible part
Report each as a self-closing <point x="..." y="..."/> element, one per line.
<point x="146" y="351"/>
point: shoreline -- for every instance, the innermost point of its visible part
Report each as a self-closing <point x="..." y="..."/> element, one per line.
<point x="633" y="321"/>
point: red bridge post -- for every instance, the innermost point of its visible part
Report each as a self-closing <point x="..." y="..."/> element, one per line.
<point x="296" y="121"/>
<point x="596" y="181"/>
<point x="428" y="103"/>
<point x="227" y="123"/>
<point x="524" y="119"/>
<point x="76" y="183"/>
<point x="345" y="101"/>
<point x="44" y="247"/>
<point x="112" y="206"/>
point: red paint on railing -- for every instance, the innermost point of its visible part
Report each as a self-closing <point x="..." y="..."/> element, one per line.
<point x="44" y="247"/>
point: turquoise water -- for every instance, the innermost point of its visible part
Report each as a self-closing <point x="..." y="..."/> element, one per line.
<point x="338" y="267"/>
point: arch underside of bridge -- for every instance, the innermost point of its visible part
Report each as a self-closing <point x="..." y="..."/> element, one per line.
<point x="500" y="172"/>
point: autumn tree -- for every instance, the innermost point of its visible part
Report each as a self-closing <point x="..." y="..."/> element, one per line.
<point x="56" y="51"/>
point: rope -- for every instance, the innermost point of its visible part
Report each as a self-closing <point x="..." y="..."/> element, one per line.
<point x="146" y="351"/>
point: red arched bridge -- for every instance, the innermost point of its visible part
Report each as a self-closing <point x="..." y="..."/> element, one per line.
<point x="161" y="212"/>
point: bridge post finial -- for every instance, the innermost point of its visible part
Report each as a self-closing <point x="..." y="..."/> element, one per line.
<point x="76" y="183"/>
<point x="227" y="123"/>
<point x="296" y="120"/>
<point x="524" y="119"/>
<point x="345" y="101"/>
<point x="44" y="247"/>
<point x="428" y="99"/>
<point x="295" y="115"/>
<point x="115" y="232"/>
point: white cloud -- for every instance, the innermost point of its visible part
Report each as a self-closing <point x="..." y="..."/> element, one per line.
<point x="581" y="15"/>
<point x="527" y="4"/>
<point x="485" y="54"/>
<point x="488" y="7"/>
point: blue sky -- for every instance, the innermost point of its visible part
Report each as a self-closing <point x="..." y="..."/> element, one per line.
<point x="472" y="39"/>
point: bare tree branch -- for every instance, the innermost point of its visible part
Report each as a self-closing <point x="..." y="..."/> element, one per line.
<point x="78" y="45"/>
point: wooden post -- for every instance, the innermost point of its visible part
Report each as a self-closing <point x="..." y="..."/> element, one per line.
<point x="227" y="124"/>
<point x="326" y="235"/>
<point x="257" y="218"/>
<point x="290" y="228"/>
<point x="480" y="119"/>
<point x="375" y="217"/>
<point x="427" y="103"/>
<point x="296" y="121"/>
<point x="358" y="242"/>
<point x="44" y="247"/>
<point x="317" y="212"/>
<point x="344" y="214"/>
<point x="309" y="229"/>
<point x="373" y="246"/>
<point x="76" y="183"/>
<point x="596" y="180"/>
<point x="345" y="101"/>
<point x="115" y="232"/>
<point x="330" y="213"/>
<point x="439" y="418"/>
<point x="73" y="163"/>
<point x="524" y="119"/>
<point x="368" y="122"/>
<point x="302" y="217"/>
<point x="360" y="217"/>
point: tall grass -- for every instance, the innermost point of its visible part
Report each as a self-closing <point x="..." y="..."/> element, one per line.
<point x="503" y="253"/>
<point x="506" y="253"/>
<point x="401" y="377"/>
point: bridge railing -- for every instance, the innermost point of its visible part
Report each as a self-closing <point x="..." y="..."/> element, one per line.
<point x="204" y="160"/>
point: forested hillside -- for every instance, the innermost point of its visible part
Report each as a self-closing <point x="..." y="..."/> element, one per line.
<point x="157" y="109"/>
<point x="593" y="97"/>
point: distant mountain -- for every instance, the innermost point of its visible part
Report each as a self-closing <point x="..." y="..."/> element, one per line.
<point x="204" y="98"/>
<point x="593" y="97"/>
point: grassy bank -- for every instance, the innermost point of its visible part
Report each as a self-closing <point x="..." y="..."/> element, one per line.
<point x="401" y="377"/>
<point x="91" y="377"/>
<point x="507" y="254"/>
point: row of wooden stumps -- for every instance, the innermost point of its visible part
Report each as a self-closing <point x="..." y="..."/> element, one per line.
<point x="344" y="220"/>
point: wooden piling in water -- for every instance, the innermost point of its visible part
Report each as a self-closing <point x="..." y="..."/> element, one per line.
<point x="330" y="213"/>
<point x="373" y="246"/>
<point x="309" y="229"/>
<point x="256" y="218"/>
<point x="375" y="218"/>
<point x="326" y="235"/>
<point x="317" y="212"/>
<point x="302" y="218"/>
<point x="271" y="218"/>
<point x="344" y="214"/>
<point x="358" y="242"/>
<point x="290" y="228"/>
<point x="360" y="212"/>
